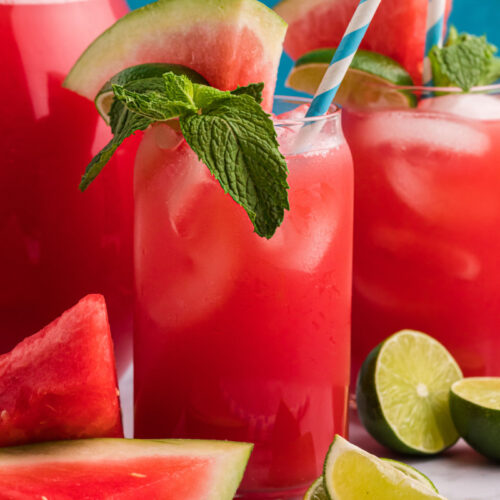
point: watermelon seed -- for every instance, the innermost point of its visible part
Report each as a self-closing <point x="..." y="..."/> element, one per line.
<point x="44" y="498"/>
<point x="136" y="474"/>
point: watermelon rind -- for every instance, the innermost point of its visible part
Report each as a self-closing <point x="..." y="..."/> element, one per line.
<point x="138" y="37"/>
<point x="230" y="458"/>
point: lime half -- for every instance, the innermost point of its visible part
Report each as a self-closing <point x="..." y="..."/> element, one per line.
<point x="139" y="73"/>
<point x="351" y="473"/>
<point x="370" y="80"/>
<point x="403" y="393"/>
<point x="475" y="409"/>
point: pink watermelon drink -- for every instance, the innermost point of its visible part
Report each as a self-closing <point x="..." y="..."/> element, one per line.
<point x="57" y="244"/>
<point x="425" y="250"/>
<point x="426" y="241"/>
<point x="238" y="337"/>
<point x="242" y="327"/>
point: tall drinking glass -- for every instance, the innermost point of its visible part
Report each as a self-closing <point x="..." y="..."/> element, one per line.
<point x="427" y="219"/>
<point x="57" y="244"/>
<point x="238" y="337"/>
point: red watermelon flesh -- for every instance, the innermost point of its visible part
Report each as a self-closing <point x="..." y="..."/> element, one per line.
<point x="397" y="30"/>
<point x="125" y="469"/>
<point x="61" y="382"/>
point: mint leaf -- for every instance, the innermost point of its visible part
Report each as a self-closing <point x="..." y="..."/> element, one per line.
<point x="178" y="88"/>
<point x="465" y="61"/>
<point x="205" y="95"/>
<point x="236" y="139"/>
<point x="493" y="73"/>
<point x="125" y="124"/>
<point x="118" y="108"/>
<point x="254" y="90"/>
<point x="151" y="104"/>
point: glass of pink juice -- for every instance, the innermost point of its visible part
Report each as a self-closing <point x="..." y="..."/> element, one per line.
<point x="238" y="337"/>
<point x="57" y="243"/>
<point x="427" y="213"/>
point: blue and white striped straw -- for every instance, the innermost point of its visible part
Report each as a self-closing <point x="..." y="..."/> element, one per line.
<point x="339" y="65"/>
<point x="434" y="35"/>
<point x="343" y="57"/>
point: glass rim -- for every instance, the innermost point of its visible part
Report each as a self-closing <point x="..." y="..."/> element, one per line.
<point x="445" y="90"/>
<point x="333" y="112"/>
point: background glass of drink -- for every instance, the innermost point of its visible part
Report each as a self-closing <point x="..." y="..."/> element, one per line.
<point x="238" y="337"/>
<point x="427" y="218"/>
<point x="57" y="244"/>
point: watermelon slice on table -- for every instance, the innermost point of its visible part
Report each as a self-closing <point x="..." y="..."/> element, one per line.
<point x="229" y="43"/>
<point x="61" y="382"/>
<point x="397" y="30"/>
<point x="125" y="469"/>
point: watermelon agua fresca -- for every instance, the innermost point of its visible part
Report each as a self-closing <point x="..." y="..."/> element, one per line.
<point x="61" y="382"/>
<point x="397" y="30"/>
<point x="124" y="469"/>
<point x="229" y="43"/>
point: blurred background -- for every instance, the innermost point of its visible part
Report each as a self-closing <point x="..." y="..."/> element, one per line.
<point x="474" y="16"/>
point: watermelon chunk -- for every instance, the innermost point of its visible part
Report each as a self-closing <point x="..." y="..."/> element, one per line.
<point x="128" y="469"/>
<point x="397" y="30"/>
<point x="61" y="382"/>
<point x="229" y="43"/>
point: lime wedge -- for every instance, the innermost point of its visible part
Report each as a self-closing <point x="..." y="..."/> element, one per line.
<point x="475" y="409"/>
<point x="370" y="80"/>
<point x="403" y="393"/>
<point x="128" y="76"/>
<point x="316" y="491"/>
<point x="351" y="473"/>
<point x="412" y="472"/>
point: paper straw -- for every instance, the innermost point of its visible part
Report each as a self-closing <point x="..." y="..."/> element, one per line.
<point x="339" y="65"/>
<point x="434" y="35"/>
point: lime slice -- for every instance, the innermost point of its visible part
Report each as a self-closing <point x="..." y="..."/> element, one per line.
<point x="403" y="392"/>
<point x="351" y="473"/>
<point x="475" y="409"/>
<point x="140" y="72"/>
<point x="316" y="491"/>
<point x="369" y="81"/>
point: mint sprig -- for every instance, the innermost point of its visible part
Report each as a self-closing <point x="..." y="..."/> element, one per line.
<point x="228" y="131"/>
<point x="465" y="61"/>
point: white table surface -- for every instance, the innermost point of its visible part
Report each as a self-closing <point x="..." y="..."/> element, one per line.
<point x="459" y="473"/>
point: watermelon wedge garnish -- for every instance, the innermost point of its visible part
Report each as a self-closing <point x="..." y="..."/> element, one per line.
<point x="397" y="30"/>
<point x="228" y="43"/>
<point x="61" y="382"/>
<point x="125" y="469"/>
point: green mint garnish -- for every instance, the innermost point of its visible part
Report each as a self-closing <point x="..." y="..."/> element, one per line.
<point x="254" y="90"/>
<point x="465" y="61"/>
<point x="229" y="132"/>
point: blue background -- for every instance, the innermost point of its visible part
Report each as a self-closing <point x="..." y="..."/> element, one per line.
<point x="474" y="16"/>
